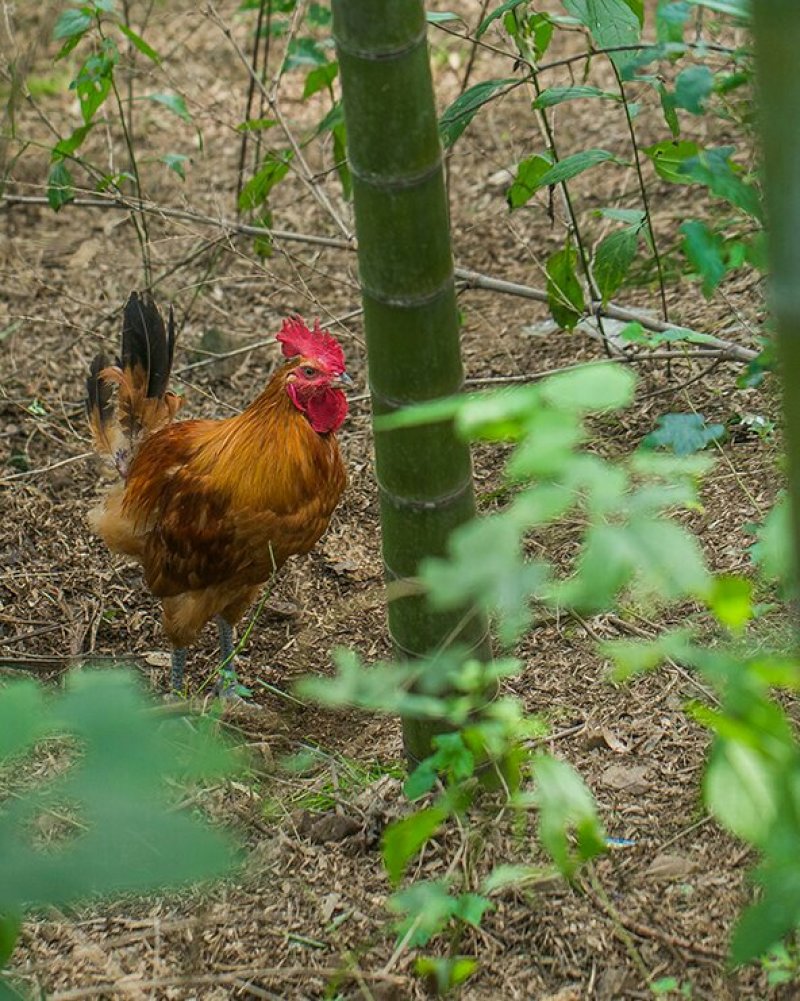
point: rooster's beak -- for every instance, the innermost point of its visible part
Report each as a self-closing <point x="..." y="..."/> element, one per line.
<point x="342" y="381"/>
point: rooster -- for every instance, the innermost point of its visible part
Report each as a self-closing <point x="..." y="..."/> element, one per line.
<point x="211" y="509"/>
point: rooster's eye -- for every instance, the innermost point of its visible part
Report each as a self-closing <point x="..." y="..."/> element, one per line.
<point x="308" y="371"/>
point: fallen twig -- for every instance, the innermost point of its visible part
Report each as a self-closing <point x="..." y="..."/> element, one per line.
<point x="131" y="985"/>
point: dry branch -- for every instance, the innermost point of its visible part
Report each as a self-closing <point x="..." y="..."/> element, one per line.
<point x="470" y="279"/>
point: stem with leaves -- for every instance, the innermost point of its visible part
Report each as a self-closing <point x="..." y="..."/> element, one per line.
<point x="411" y="320"/>
<point x="528" y="56"/>
<point x="642" y="191"/>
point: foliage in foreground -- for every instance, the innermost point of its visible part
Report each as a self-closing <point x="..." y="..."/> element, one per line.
<point x="99" y="817"/>
<point x="631" y="551"/>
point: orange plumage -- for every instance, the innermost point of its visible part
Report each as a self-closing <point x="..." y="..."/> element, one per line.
<point x="211" y="509"/>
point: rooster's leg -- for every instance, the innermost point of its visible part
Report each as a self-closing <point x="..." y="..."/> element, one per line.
<point x="228" y="682"/>
<point x="178" y="665"/>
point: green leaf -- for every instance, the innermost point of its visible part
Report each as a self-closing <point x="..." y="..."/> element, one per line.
<point x="421" y="780"/>
<point x="739" y="789"/>
<point x="692" y="88"/>
<point x="172" y="102"/>
<point x="175" y="162"/>
<point x="60" y="186"/>
<point x="66" y="147"/>
<point x="73" y="23"/>
<point x="498" y="12"/>
<point x="669" y="155"/>
<point x="429" y="907"/>
<point x="668" y="107"/>
<point x="731" y="601"/>
<point x="671" y="18"/>
<point x="612" y="260"/>
<point x="511" y="875"/>
<point x="573" y="165"/>
<point x="564" y="290"/>
<point x="500" y="581"/>
<point x="713" y="168"/>
<point x="526" y="182"/>
<point x="705" y="251"/>
<point x="402" y="839"/>
<point x="612" y="23"/>
<point x="93" y="82"/>
<point x="558" y="95"/>
<point x="471" y="908"/>
<point x="304" y="52"/>
<point x="683" y="433"/>
<point x="566" y="810"/>
<point x="461" y="112"/>
<point x="594" y="388"/>
<point x="772" y="553"/>
<point x="320" y="78"/>
<point x="273" y="169"/>
<point x="444" y="973"/>
<point x="139" y="43"/>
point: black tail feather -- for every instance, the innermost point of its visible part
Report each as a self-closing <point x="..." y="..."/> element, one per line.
<point x="98" y="392"/>
<point x="145" y="343"/>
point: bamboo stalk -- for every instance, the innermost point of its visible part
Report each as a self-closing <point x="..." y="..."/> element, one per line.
<point x="410" y="315"/>
<point x="777" y="35"/>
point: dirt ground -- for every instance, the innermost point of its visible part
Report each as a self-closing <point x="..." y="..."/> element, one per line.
<point x="306" y="918"/>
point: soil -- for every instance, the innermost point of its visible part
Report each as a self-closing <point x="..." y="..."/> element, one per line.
<point x="307" y="916"/>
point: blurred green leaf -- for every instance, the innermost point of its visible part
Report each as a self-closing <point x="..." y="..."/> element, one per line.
<point x="569" y="827"/>
<point x="428" y="906"/>
<point x="731" y="601"/>
<point x="683" y="433"/>
<point x="444" y="973"/>
<point x="693" y="87"/>
<point x="705" y="251"/>
<point x="176" y="162"/>
<point x="172" y="102"/>
<point x="73" y="23"/>
<point x="740" y="791"/>
<point x="139" y="43"/>
<point x="127" y="836"/>
<point x="592" y="389"/>
<point x="772" y="552"/>
<point x="402" y="839"/>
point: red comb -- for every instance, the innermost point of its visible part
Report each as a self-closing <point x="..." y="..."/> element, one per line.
<point x="296" y="339"/>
